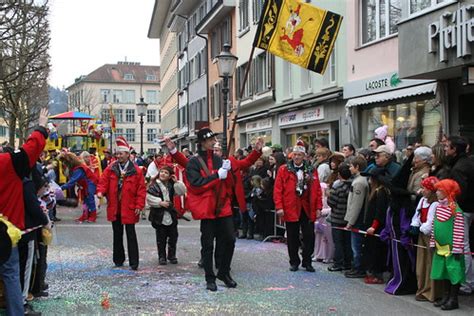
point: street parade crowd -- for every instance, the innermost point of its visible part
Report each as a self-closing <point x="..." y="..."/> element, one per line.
<point x="401" y="218"/>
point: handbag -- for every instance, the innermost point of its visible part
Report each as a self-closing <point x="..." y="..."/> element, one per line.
<point x="47" y="236"/>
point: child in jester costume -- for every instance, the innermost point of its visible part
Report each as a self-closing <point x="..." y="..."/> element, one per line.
<point x="448" y="239"/>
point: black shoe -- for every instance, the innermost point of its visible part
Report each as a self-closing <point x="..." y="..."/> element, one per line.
<point x="134" y="268"/>
<point x="355" y="275"/>
<point x="309" y="268"/>
<point x="30" y="311"/>
<point x="173" y="260"/>
<point x="293" y="268"/>
<point x="211" y="286"/>
<point x="200" y="265"/>
<point x="162" y="261"/>
<point x="334" y="268"/>
<point x="452" y="302"/>
<point x="250" y="237"/>
<point x="228" y="281"/>
<point x="346" y="268"/>
<point x="440" y="302"/>
<point x="45" y="286"/>
<point x="41" y="294"/>
<point x="118" y="265"/>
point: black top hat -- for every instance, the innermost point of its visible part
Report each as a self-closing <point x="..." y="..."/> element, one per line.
<point x="5" y="243"/>
<point x="205" y="133"/>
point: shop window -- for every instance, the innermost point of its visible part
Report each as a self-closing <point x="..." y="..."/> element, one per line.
<point x="379" y="19"/>
<point x="266" y="135"/>
<point x="409" y="122"/>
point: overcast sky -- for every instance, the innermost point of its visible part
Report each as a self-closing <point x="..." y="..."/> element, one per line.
<point x="86" y="34"/>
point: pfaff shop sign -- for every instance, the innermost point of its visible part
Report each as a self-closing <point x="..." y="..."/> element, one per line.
<point x="454" y="30"/>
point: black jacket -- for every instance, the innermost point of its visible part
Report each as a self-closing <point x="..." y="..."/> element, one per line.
<point x="193" y="169"/>
<point x="34" y="215"/>
<point x="462" y="171"/>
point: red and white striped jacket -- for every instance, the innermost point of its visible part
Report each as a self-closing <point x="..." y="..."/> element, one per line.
<point x="444" y="213"/>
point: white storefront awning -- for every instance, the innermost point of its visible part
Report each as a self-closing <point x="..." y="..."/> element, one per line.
<point x="393" y="95"/>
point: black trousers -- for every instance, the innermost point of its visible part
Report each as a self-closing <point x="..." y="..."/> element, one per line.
<point x="293" y="240"/>
<point x="268" y="223"/>
<point x="222" y="230"/>
<point x="248" y="225"/>
<point x="342" y="247"/>
<point x="132" y="243"/>
<point x="39" y="269"/>
<point x="167" y="234"/>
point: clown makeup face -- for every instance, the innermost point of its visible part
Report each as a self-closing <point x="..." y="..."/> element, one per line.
<point x="441" y="195"/>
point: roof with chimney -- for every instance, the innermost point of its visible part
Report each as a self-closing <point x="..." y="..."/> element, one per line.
<point x="123" y="72"/>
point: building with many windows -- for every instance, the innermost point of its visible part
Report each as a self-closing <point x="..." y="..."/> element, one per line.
<point x="117" y="88"/>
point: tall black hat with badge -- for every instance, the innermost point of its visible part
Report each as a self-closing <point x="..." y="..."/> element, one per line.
<point x="205" y="133"/>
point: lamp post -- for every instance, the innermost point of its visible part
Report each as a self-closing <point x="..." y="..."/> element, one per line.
<point x="226" y="63"/>
<point x="141" y="110"/>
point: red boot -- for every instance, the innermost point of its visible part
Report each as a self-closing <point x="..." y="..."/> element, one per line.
<point x="83" y="217"/>
<point x="92" y="217"/>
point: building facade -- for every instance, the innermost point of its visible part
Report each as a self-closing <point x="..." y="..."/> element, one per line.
<point x="117" y="88"/>
<point x="442" y="32"/>
<point x="376" y="91"/>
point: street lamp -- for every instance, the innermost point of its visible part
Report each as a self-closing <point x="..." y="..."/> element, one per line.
<point x="141" y="110"/>
<point x="226" y="63"/>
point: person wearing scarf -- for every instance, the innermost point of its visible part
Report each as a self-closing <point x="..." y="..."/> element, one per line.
<point x="123" y="184"/>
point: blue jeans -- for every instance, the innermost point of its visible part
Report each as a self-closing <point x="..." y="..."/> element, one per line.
<point x="10" y="272"/>
<point x="356" y="244"/>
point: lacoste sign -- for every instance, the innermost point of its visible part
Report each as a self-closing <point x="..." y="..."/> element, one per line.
<point x="380" y="83"/>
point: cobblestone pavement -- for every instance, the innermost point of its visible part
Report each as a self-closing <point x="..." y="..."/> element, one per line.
<point x="81" y="273"/>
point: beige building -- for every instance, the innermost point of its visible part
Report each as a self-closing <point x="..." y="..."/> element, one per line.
<point x="159" y="28"/>
<point x="120" y="86"/>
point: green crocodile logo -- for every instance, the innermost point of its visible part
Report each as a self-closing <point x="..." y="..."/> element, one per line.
<point x="395" y="80"/>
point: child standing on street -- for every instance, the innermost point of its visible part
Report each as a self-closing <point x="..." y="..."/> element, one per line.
<point x="421" y="225"/>
<point x="448" y="240"/>
<point x="163" y="215"/>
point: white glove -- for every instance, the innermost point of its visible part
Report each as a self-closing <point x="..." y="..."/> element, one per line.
<point x="226" y="164"/>
<point x="222" y="173"/>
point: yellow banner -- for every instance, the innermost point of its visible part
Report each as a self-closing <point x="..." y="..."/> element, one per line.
<point x="298" y="32"/>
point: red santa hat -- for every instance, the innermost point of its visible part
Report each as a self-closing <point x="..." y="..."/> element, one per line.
<point x="122" y="144"/>
<point x="299" y="147"/>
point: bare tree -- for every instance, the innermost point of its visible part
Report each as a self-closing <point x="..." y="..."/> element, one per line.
<point x="24" y="62"/>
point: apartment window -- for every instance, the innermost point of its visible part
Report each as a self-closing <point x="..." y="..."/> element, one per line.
<point x="119" y="132"/>
<point x="261" y="74"/>
<point x="130" y="134"/>
<point x="203" y="63"/>
<point x="128" y="77"/>
<point x="192" y="70"/>
<point x="3" y="131"/>
<point x="248" y="92"/>
<point x="118" y="96"/>
<point x="215" y="100"/>
<point x="182" y="117"/>
<point x="130" y="116"/>
<point x="244" y="15"/>
<point x="151" y="97"/>
<point x="257" y="10"/>
<point x="305" y="80"/>
<point x="151" y="116"/>
<point x="118" y="113"/>
<point x="129" y="96"/>
<point x="151" y="134"/>
<point x="192" y="22"/>
<point x="221" y="35"/>
<point x="105" y="95"/>
<point x="421" y="5"/>
<point x="150" y="78"/>
<point x="329" y="77"/>
<point x="379" y="19"/>
<point x="181" y="42"/>
<point x="151" y="151"/>
<point x="105" y="115"/>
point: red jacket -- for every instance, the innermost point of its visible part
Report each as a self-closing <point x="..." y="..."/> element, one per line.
<point x="285" y="197"/>
<point x="13" y="168"/>
<point x="237" y="167"/>
<point x="133" y="192"/>
<point x="204" y="191"/>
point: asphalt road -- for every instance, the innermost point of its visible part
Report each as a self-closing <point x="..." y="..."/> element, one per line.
<point x="81" y="273"/>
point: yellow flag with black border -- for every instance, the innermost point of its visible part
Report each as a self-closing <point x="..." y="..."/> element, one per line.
<point x="298" y="32"/>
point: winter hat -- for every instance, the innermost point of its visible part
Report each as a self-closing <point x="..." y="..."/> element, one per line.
<point x="381" y="132"/>
<point x="299" y="147"/>
<point x="122" y="144"/>
<point x="267" y="151"/>
<point x="429" y="183"/>
<point x="424" y="153"/>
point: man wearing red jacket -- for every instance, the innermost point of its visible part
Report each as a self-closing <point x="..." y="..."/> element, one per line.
<point x="210" y="190"/>
<point x="298" y="199"/>
<point x="13" y="168"/>
<point x="123" y="184"/>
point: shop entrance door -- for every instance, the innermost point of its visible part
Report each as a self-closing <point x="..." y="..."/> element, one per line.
<point x="309" y="134"/>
